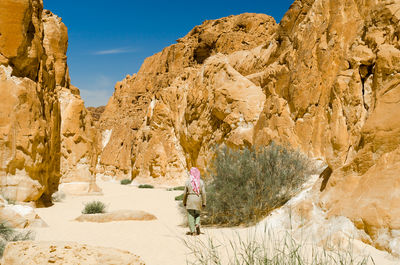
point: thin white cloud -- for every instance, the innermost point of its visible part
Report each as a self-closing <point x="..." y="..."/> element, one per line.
<point x="97" y="91"/>
<point x="95" y="98"/>
<point x="103" y="82"/>
<point x="114" y="51"/>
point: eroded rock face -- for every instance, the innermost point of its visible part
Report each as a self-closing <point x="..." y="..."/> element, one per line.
<point x="78" y="135"/>
<point x="30" y="116"/>
<point x="33" y="78"/>
<point x="182" y="101"/>
<point x="78" y="146"/>
<point x="96" y="112"/>
<point x="332" y="89"/>
<point x="325" y="80"/>
<point x="35" y="253"/>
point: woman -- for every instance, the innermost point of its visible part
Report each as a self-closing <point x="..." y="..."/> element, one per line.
<point x="194" y="198"/>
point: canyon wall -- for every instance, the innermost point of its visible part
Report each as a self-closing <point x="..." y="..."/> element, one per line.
<point x="325" y="80"/>
<point x="33" y="74"/>
<point x="30" y="114"/>
<point x="333" y="87"/>
<point x="78" y="134"/>
<point x="166" y="117"/>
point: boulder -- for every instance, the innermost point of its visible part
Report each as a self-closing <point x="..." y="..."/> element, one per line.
<point x="120" y="215"/>
<point x="35" y="253"/>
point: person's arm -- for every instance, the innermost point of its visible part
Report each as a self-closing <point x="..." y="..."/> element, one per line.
<point x="203" y="195"/>
<point x="185" y="193"/>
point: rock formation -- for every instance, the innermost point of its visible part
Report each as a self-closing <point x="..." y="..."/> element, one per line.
<point x="30" y="114"/>
<point x="19" y="216"/>
<point x="325" y="80"/>
<point x="33" y="79"/>
<point x="333" y="85"/>
<point x="168" y="115"/>
<point x="114" y="216"/>
<point x="78" y="135"/>
<point x="65" y="253"/>
<point x="96" y="112"/>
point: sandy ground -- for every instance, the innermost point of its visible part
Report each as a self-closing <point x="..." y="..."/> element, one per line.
<point x="156" y="242"/>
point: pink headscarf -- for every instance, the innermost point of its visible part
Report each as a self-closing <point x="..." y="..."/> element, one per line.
<point x="195" y="179"/>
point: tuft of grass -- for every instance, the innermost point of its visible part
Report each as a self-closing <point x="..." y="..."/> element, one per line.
<point x="245" y="185"/>
<point x="179" y="197"/>
<point x="9" y="234"/>
<point x="146" y="186"/>
<point x="176" y="188"/>
<point x="94" y="207"/>
<point x="126" y="181"/>
<point x="268" y="249"/>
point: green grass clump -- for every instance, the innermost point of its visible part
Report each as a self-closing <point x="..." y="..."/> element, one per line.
<point x="94" y="207"/>
<point x="176" y="188"/>
<point x="146" y="186"/>
<point x="9" y="234"/>
<point x="126" y="181"/>
<point x="179" y="198"/>
<point x="245" y="185"/>
<point x="269" y="249"/>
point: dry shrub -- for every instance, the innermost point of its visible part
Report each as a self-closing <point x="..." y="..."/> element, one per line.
<point x="94" y="207"/>
<point x="243" y="186"/>
<point x="9" y="234"/>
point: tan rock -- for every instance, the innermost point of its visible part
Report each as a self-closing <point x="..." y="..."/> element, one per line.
<point x="21" y="35"/>
<point x="35" y="253"/>
<point x="150" y="127"/>
<point x="78" y="146"/>
<point x="335" y="73"/>
<point x="33" y="71"/>
<point x="29" y="119"/>
<point x="55" y="43"/>
<point x="120" y="215"/>
<point x="78" y="136"/>
<point x="96" y="112"/>
<point x="326" y="81"/>
<point x="20" y="216"/>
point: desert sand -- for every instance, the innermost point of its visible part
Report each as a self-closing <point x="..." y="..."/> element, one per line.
<point x="156" y="242"/>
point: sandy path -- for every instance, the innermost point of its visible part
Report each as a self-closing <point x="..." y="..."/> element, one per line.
<point x="156" y="242"/>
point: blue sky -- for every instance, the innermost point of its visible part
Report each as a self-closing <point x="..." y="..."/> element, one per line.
<point x="110" y="39"/>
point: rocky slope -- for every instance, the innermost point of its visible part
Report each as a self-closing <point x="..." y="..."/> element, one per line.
<point x="325" y="80"/>
<point x="33" y="79"/>
<point x="165" y="118"/>
<point x="333" y="89"/>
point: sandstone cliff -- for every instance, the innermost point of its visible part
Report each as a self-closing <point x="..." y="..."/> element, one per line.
<point x="33" y="78"/>
<point x="165" y="118"/>
<point x="333" y="87"/>
<point x="78" y="135"/>
<point x="325" y="80"/>
<point x="30" y="114"/>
